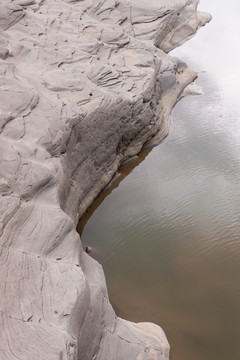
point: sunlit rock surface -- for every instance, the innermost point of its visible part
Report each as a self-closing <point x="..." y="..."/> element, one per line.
<point x="83" y="86"/>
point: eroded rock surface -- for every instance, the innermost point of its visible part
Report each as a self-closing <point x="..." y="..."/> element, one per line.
<point x="83" y="85"/>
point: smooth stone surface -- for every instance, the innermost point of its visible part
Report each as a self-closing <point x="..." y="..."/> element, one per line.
<point x="83" y="86"/>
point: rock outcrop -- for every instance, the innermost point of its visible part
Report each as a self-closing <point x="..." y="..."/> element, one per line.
<point x="84" y="84"/>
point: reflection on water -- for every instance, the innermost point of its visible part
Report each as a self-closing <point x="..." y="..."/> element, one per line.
<point x="168" y="235"/>
<point x="123" y="171"/>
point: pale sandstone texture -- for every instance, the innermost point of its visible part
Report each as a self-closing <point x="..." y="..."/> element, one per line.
<point x="83" y="85"/>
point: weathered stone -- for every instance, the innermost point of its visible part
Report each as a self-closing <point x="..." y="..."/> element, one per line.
<point x="84" y="84"/>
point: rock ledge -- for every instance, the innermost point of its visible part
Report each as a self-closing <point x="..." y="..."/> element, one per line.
<point x="84" y="84"/>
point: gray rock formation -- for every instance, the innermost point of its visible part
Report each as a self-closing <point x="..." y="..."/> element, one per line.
<point x="84" y="84"/>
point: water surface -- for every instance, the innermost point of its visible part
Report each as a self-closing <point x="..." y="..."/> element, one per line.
<point x="167" y="235"/>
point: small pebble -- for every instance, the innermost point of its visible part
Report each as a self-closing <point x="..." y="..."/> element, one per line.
<point x="88" y="249"/>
